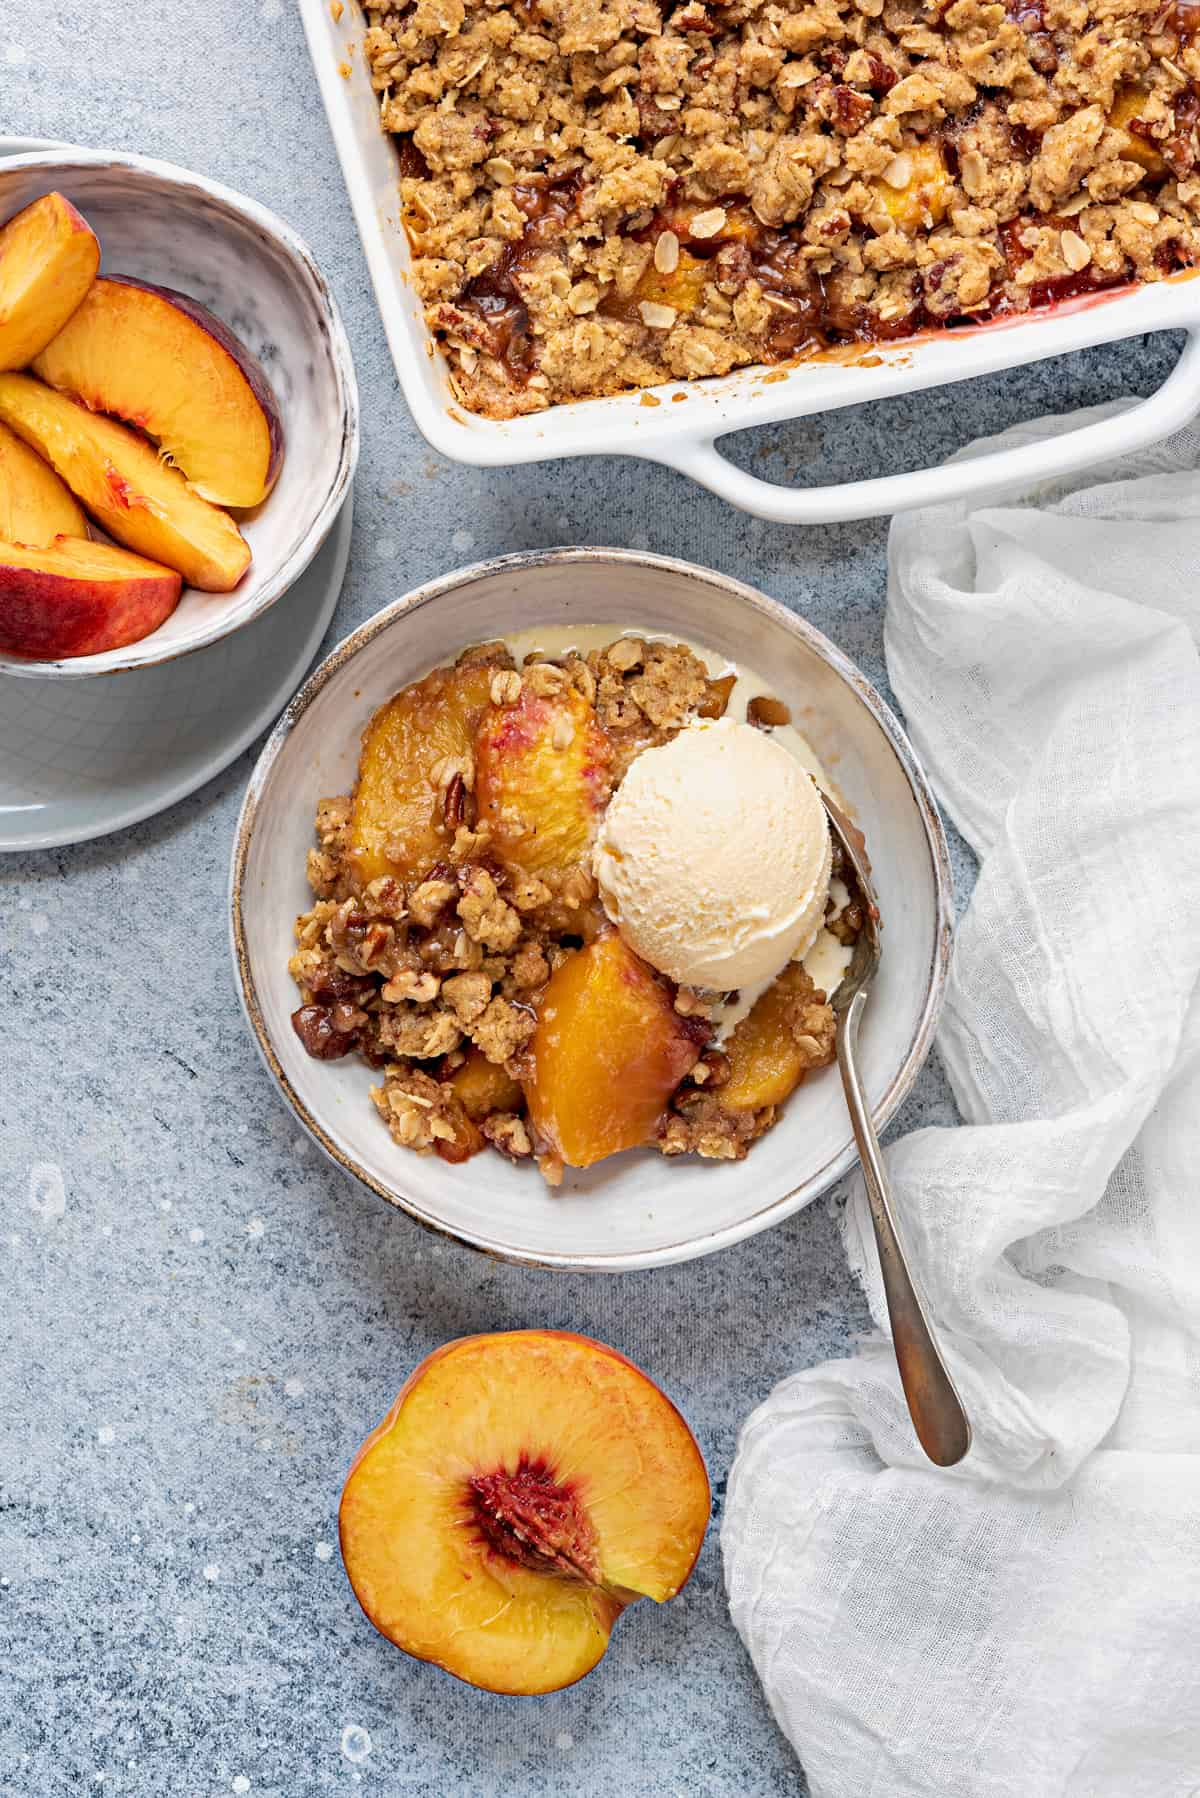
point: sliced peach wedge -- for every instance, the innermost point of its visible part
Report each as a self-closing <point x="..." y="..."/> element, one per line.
<point x="608" y="1052"/>
<point x="49" y="255"/>
<point x="543" y="774"/>
<point x="35" y="506"/>
<point x="522" y="1490"/>
<point x="166" y="364"/>
<point x="784" y="1035"/>
<point x="405" y="804"/>
<point x="76" y="598"/>
<point x="136" y="498"/>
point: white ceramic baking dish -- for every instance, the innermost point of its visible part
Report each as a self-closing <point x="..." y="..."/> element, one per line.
<point x="683" y="433"/>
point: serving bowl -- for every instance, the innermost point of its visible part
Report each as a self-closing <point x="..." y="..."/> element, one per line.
<point x="167" y="226"/>
<point x="639" y="1209"/>
<point x="683" y="429"/>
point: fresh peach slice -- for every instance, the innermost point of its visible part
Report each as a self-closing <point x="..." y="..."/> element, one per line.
<point x="522" y="1490"/>
<point x="77" y="598"/>
<point x="166" y="364"/>
<point x="142" y="502"/>
<point x="608" y="1052"/>
<point x="542" y="778"/>
<point x="922" y="196"/>
<point x="482" y="1087"/>
<point x="35" y="506"/>
<point x="776" y="1044"/>
<point x="48" y="259"/>
<point x="414" y="749"/>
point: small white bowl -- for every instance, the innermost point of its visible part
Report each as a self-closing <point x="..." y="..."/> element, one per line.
<point x="638" y="1209"/>
<point x="164" y="225"/>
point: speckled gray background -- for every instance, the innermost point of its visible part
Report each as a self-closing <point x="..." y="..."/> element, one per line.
<point x="201" y="1318"/>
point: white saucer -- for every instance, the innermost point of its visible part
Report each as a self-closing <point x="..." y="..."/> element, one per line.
<point x="81" y="758"/>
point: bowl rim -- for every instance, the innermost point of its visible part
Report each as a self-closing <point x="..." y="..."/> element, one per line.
<point x="935" y="838"/>
<point x="297" y="252"/>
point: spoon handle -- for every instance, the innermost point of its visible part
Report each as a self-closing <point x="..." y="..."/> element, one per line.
<point x="938" y="1417"/>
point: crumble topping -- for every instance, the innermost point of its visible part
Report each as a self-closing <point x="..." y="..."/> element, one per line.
<point x="420" y="975"/>
<point x="605" y="196"/>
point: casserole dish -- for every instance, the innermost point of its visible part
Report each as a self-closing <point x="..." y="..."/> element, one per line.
<point x="636" y="1209"/>
<point x="684" y="435"/>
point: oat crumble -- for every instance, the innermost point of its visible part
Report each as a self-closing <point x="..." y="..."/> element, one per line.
<point x="434" y="973"/>
<point x="602" y="196"/>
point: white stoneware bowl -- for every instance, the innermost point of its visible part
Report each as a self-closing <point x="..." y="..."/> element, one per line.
<point x="637" y="1210"/>
<point x="181" y="230"/>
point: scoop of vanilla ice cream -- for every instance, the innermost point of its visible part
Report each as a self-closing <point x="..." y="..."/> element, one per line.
<point x="713" y="858"/>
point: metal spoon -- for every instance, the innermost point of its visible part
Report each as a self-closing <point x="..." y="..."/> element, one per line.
<point x="938" y="1417"/>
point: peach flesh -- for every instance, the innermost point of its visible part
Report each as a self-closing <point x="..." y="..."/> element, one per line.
<point x="117" y="475"/>
<point x="49" y="255"/>
<point x="399" y="822"/>
<point x="542" y="779"/>
<point x="523" y="1489"/>
<point x="35" y="506"/>
<point x="164" y="363"/>
<point x="608" y="1052"/>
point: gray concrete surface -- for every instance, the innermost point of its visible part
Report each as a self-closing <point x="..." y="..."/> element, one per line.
<point x="200" y="1318"/>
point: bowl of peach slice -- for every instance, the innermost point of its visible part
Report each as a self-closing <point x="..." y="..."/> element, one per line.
<point x="537" y="915"/>
<point x="178" y="415"/>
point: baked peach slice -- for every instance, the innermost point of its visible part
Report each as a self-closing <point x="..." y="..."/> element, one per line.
<point x="1126" y="110"/>
<point x="608" y="1052"/>
<point x="76" y="598"/>
<point x="776" y="1044"/>
<point x="414" y="751"/>
<point x="521" y="1492"/>
<point x="35" y="506"/>
<point x="682" y="289"/>
<point x="542" y="778"/>
<point x="166" y="364"/>
<point x="49" y="255"/>
<point x="915" y="188"/>
<point x="482" y="1087"/>
<point x="138" y="499"/>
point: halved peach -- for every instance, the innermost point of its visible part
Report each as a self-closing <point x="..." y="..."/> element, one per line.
<point x="522" y="1490"/>
<point x="401" y="821"/>
<point x="542" y="778"/>
<point x="35" y="506"/>
<point x="608" y="1052"/>
<point x="772" y="1048"/>
<point x="139" y="500"/>
<point x="48" y="259"/>
<point x="76" y="598"/>
<point x="167" y="365"/>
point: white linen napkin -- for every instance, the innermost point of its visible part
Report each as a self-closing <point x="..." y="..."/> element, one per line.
<point x="1027" y="1626"/>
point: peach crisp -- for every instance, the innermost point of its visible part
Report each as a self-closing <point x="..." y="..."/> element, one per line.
<point x="520" y="922"/>
<point x="604" y="197"/>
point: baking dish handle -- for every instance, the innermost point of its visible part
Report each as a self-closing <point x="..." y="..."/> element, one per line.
<point x="1172" y="405"/>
